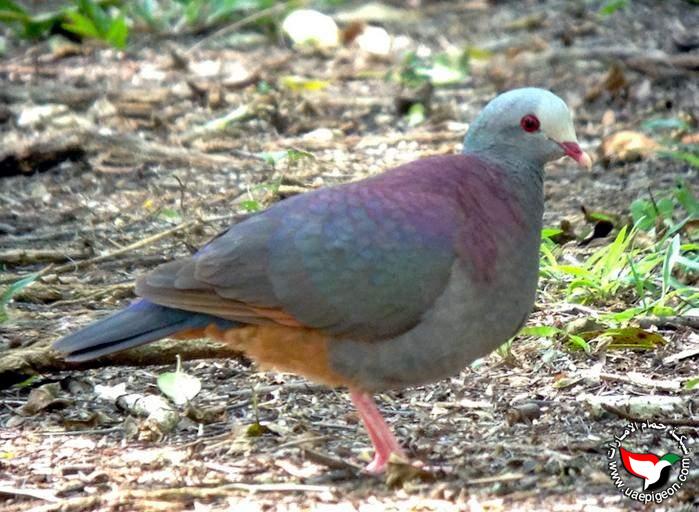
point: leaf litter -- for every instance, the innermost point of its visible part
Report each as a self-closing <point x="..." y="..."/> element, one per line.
<point x="509" y="433"/>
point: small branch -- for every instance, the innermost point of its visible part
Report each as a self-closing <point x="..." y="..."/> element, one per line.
<point x="330" y="462"/>
<point x="684" y="422"/>
<point x="641" y="380"/>
<point x="29" y="256"/>
<point x="20" y="363"/>
<point x="40" y="494"/>
<point x="86" y="432"/>
<point x="669" y="321"/>
<point x="684" y="354"/>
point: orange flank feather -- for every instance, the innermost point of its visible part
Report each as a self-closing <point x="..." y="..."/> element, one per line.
<point x="298" y="350"/>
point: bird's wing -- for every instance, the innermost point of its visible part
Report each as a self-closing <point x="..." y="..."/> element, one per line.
<point x="356" y="260"/>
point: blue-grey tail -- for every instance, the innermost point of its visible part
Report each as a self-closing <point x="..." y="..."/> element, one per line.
<point x="140" y="323"/>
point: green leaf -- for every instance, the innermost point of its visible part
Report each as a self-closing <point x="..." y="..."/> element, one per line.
<point x="251" y="206"/>
<point x="592" y="216"/>
<point x="297" y="84"/>
<point x="476" y="53"/>
<point x="28" y="382"/>
<point x="93" y="11"/>
<point x="687" y="200"/>
<point x="665" y="207"/>
<point x="8" y="5"/>
<point x="623" y="316"/>
<point x="692" y="383"/>
<point x="612" y="6"/>
<point x="8" y="16"/>
<point x="118" y="32"/>
<point x="671" y="254"/>
<point x="81" y="25"/>
<point x="551" y="232"/>
<point x="575" y="271"/>
<point x="541" y="331"/>
<point x="294" y="155"/>
<point x="643" y="214"/>
<point x="633" y="338"/>
<point x="578" y="342"/>
<point x="11" y="291"/>
<point x="660" y="310"/>
<point x="416" y="114"/>
<point x="170" y="215"/>
<point x="178" y="386"/>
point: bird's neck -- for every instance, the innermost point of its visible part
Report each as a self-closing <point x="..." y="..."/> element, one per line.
<point x="523" y="175"/>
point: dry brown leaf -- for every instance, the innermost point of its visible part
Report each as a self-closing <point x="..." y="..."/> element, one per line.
<point x="626" y="146"/>
<point x="400" y="471"/>
<point x="691" y="138"/>
<point x="43" y="398"/>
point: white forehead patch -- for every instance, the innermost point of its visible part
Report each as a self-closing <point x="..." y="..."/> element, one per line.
<point x="554" y="116"/>
<point x="556" y="120"/>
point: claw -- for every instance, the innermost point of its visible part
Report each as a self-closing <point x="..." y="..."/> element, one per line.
<point x="385" y="443"/>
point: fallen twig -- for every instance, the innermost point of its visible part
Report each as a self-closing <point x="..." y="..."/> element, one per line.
<point x="29" y="256"/>
<point x="638" y="379"/>
<point x="20" y="363"/>
<point x="330" y="462"/>
<point x="669" y="321"/>
<point x="683" y="422"/>
<point x="90" y="432"/>
<point x="40" y="494"/>
<point x="684" y="354"/>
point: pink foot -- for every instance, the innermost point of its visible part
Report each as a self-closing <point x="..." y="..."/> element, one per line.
<point x="379" y="432"/>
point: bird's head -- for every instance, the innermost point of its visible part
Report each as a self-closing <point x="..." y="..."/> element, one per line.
<point x="528" y="125"/>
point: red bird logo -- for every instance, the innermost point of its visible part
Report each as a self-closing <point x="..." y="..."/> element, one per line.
<point x="653" y="470"/>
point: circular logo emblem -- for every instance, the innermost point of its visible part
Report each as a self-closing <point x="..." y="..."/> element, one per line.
<point x="649" y="462"/>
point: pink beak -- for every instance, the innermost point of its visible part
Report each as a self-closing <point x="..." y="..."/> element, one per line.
<point x="572" y="149"/>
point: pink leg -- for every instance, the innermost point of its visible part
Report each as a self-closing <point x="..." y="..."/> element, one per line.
<point x="381" y="436"/>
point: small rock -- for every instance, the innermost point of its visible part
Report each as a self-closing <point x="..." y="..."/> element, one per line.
<point x="32" y="116"/>
<point x="375" y="41"/>
<point x="320" y="135"/>
<point x="306" y="27"/>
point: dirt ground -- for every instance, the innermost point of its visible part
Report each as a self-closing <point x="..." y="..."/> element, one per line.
<point x="121" y="153"/>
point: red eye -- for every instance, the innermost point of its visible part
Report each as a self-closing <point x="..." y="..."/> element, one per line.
<point x="530" y="123"/>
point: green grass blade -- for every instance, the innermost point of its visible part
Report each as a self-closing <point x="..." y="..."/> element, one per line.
<point x="11" y="291"/>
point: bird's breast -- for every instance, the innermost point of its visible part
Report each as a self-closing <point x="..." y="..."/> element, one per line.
<point x="469" y="320"/>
